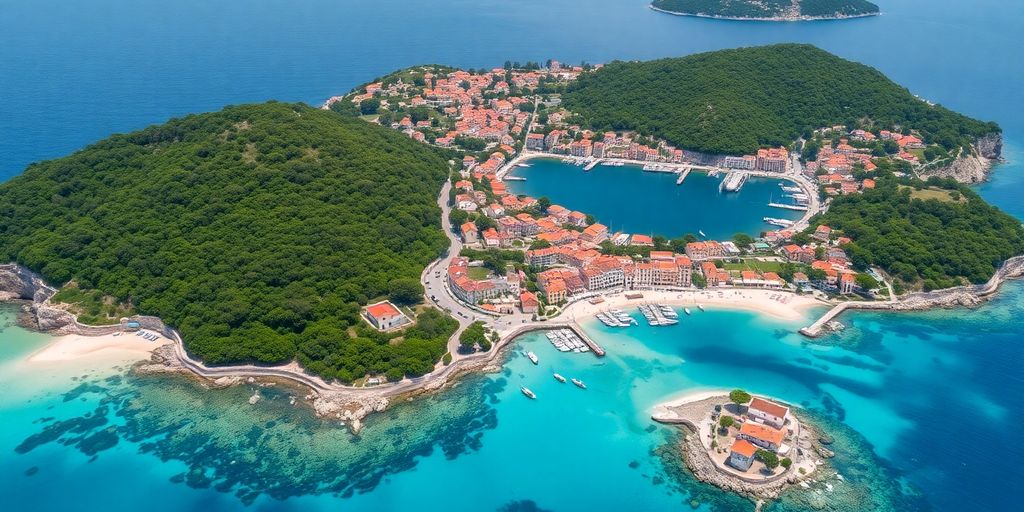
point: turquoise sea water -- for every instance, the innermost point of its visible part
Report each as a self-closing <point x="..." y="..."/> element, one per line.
<point x="630" y="200"/>
<point x="910" y="398"/>
<point x="923" y="405"/>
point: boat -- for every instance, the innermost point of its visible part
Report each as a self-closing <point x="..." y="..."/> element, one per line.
<point x="668" y="312"/>
<point x="686" y="310"/>
<point x="559" y="378"/>
<point x="533" y="357"/>
<point x="702" y="234"/>
<point x="790" y="189"/>
<point x="529" y="394"/>
<point x="700" y="307"/>
<point x="778" y="222"/>
<point x="579" y="383"/>
<point x="521" y="164"/>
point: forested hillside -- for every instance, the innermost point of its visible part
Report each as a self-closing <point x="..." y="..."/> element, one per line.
<point x="733" y="101"/>
<point x="257" y="231"/>
<point x="934" y="235"/>
<point x="768" y="8"/>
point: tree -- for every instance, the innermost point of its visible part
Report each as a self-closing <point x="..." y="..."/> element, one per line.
<point x="406" y="291"/>
<point x="369" y="106"/>
<point x="742" y="240"/>
<point x="726" y="421"/>
<point x="786" y="462"/>
<point x="769" y="458"/>
<point x="739" y="397"/>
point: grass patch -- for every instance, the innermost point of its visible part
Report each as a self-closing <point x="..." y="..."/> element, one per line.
<point x="91" y="306"/>
<point x="761" y="266"/>
<point x="478" y="273"/>
<point x="934" y="193"/>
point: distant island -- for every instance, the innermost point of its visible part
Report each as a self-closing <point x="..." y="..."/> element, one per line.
<point x="768" y="10"/>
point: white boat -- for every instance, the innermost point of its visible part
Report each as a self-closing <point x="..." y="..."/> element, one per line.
<point x="533" y="357"/>
<point x="526" y="391"/>
<point x="702" y="233"/>
<point x="521" y="164"/>
<point x="579" y="383"/>
<point x="668" y="312"/>
<point x="700" y="307"/>
<point x="686" y="310"/>
<point x="559" y="378"/>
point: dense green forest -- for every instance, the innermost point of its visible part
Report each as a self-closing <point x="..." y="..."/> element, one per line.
<point x="767" y="8"/>
<point x="934" y="235"/>
<point x="257" y="231"/>
<point x="734" y="101"/>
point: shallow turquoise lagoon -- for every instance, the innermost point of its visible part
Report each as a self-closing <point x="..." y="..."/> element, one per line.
<point x="884" y="388"/>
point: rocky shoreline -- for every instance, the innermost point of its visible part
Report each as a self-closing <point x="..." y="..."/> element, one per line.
<point x="976" y="166"/>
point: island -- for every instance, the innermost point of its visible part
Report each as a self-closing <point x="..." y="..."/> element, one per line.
<point x="768" y="10"/>
<point x="752" y="445"/>
<point x="371" y="249"/>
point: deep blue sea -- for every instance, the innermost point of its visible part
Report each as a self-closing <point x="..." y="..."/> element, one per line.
<point x="922" y="405"/>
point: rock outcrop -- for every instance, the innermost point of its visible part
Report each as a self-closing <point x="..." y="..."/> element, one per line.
<point x="974" y="167"/>
<point x="18" y="283"/>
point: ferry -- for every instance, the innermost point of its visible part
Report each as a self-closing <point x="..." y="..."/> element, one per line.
<point x="533" y="357"/>
<point x="579" y="383"/>
<point x="529" y="394"/>
<point x="559" y="378"/>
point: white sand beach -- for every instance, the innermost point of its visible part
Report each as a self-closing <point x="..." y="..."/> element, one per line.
<point x="778" y="304"/>
<point x="124" y="348"/>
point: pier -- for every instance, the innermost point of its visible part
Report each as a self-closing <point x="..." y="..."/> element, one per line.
<point x="797" y="207"/>
<point x="591" y="165"/>
<point x="682" y="176"/>
<point x="594" y="347"/>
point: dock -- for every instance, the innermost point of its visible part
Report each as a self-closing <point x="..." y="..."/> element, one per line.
<point x="797" y="207"/>
<point x="591" y="165"/>
<point x="594" y="347"/>
<point x="682" y="176"/>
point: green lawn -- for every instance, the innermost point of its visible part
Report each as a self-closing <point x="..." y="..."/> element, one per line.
<point x="762" y="266"/>
<point x="478" y="273"/>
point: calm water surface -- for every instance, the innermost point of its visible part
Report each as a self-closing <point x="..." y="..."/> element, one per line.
<point x="921" y="404"/>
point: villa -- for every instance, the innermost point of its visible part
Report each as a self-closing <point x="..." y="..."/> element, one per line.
<point x="769" y="413"/>
<point x="762" y="435"/>
<point x="385" y="316"/>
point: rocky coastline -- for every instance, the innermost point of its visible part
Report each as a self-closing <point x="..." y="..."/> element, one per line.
<point x="976" y="166"/>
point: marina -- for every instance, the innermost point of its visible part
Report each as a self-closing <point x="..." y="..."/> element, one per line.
<point x="656" y="317"/>
<point x="616" y="318"/>
<point x="565" y="340"/>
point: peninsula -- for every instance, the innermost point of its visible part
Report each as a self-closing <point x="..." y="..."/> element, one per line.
<point x="768" y="10"/>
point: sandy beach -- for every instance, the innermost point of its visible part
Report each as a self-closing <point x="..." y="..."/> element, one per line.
<point x="124" y="348"/>
<point x="778" y="304"/>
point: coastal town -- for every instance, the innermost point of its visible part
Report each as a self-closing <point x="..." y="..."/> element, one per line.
<point x="500" y="119"/>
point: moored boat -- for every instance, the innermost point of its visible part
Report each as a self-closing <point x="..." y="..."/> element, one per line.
<point x="686" y="310"/>
<point x="559" y="378"/>
<point x="700" y="307"/>
<point x="529" y="394"/>
<point x="533" y="357"/>
<point x="579" y="383"/>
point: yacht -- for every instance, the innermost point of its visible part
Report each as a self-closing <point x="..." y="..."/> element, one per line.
<point x="521" y="164"/>
<point x="579" y="383"/>
<point x="668" y="312"/>
<point x="533" y="357"/>
<point x="700" y="307"/>
<point x="529" y="394"/>
<point x="702" y="234"/>
<point x="686" y="310"/>
<point x="559" y="378"/>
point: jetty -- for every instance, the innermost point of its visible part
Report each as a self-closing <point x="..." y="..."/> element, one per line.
<point x="591" y="165"/>
<point x="682" y="176"/>
<point x="797" y="207"/>
<point x="594" y="347"/>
